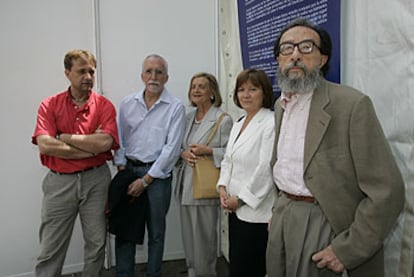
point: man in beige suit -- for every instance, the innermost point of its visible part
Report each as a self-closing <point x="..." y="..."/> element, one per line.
<point x="339" y="188"/>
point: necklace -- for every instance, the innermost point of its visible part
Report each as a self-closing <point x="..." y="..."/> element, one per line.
<point x="199" y="115"/>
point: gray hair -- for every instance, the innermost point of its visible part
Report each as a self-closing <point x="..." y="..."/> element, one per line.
<point x="156" y="56"/>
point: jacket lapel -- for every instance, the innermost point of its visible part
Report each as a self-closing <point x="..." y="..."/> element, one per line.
<point x="189" y="123"/>
<point x="318" y="122"/>
<point x="278" y="123"/>
<point x="206" y="125"/>
<point x="252" y="128"/>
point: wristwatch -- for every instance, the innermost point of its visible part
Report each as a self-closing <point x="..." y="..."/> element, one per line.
<point x="144" y="183"/>
<point x="240" y="202"/>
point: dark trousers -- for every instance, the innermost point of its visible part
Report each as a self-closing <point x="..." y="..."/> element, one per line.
<point x="159" y="196"/>
<point x="247" y="248"/>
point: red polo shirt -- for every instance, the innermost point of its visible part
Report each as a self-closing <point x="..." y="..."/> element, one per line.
<point x="59" y="114"/>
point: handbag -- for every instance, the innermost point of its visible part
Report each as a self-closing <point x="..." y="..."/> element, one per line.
<point x="205" y="173"/>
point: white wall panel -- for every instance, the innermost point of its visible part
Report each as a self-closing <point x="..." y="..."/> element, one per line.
<point x="182" y="31"/>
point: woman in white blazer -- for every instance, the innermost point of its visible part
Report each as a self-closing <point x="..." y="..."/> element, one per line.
<point x="245" y="183"/>
<point x="199" y="217"/>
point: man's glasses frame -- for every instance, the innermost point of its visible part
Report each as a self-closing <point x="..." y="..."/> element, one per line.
<point x="304" y="47"/>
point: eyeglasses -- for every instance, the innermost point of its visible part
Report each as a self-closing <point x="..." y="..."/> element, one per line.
<point x="304" y="47"/>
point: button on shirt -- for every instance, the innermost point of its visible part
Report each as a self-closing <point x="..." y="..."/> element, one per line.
<point x="151" y="135"/>
<point x="288" y="169"/>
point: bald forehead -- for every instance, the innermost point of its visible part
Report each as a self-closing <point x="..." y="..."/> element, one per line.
<point x="300" y="33"/>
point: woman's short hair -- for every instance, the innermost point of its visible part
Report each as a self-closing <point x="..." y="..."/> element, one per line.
<point x="213" y="87"/>
<point x="258" y="78"/>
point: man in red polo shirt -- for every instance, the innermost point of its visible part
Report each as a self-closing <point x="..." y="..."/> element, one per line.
<point x="75" y="132"/>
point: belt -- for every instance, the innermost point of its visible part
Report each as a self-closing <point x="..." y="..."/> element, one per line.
<point x="309" y="199"/>
<point x="76" y="172"/>
<point x="138" y="163"/>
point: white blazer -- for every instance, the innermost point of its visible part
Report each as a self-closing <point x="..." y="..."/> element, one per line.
<point x="246" y="170"/>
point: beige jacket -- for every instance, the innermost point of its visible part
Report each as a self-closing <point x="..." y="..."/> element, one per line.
<point x="351" y="171"/>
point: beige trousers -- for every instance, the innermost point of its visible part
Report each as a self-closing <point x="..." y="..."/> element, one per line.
<point x="298" y="230"/>
<point x="199" y="233"/>
<point x="66" y="196"/>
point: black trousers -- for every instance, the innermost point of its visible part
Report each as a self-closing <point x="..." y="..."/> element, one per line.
<point x="247" y="249"/>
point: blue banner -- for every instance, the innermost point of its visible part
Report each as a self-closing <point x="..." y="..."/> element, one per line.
<point x="260" y="23"/>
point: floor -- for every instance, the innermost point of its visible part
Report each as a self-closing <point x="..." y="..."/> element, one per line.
<point x="176" y="268"/>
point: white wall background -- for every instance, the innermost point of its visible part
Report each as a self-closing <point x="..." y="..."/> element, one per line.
<point x="35" y="35"/>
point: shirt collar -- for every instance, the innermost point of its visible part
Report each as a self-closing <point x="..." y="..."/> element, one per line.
<point x="163" y="97"/>
<point x="291" y="98"/>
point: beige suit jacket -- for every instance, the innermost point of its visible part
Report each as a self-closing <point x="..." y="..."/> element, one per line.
<point x="350" y="170"/>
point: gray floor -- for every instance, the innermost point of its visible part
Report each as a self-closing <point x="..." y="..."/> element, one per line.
<point x="176" y="268"/>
